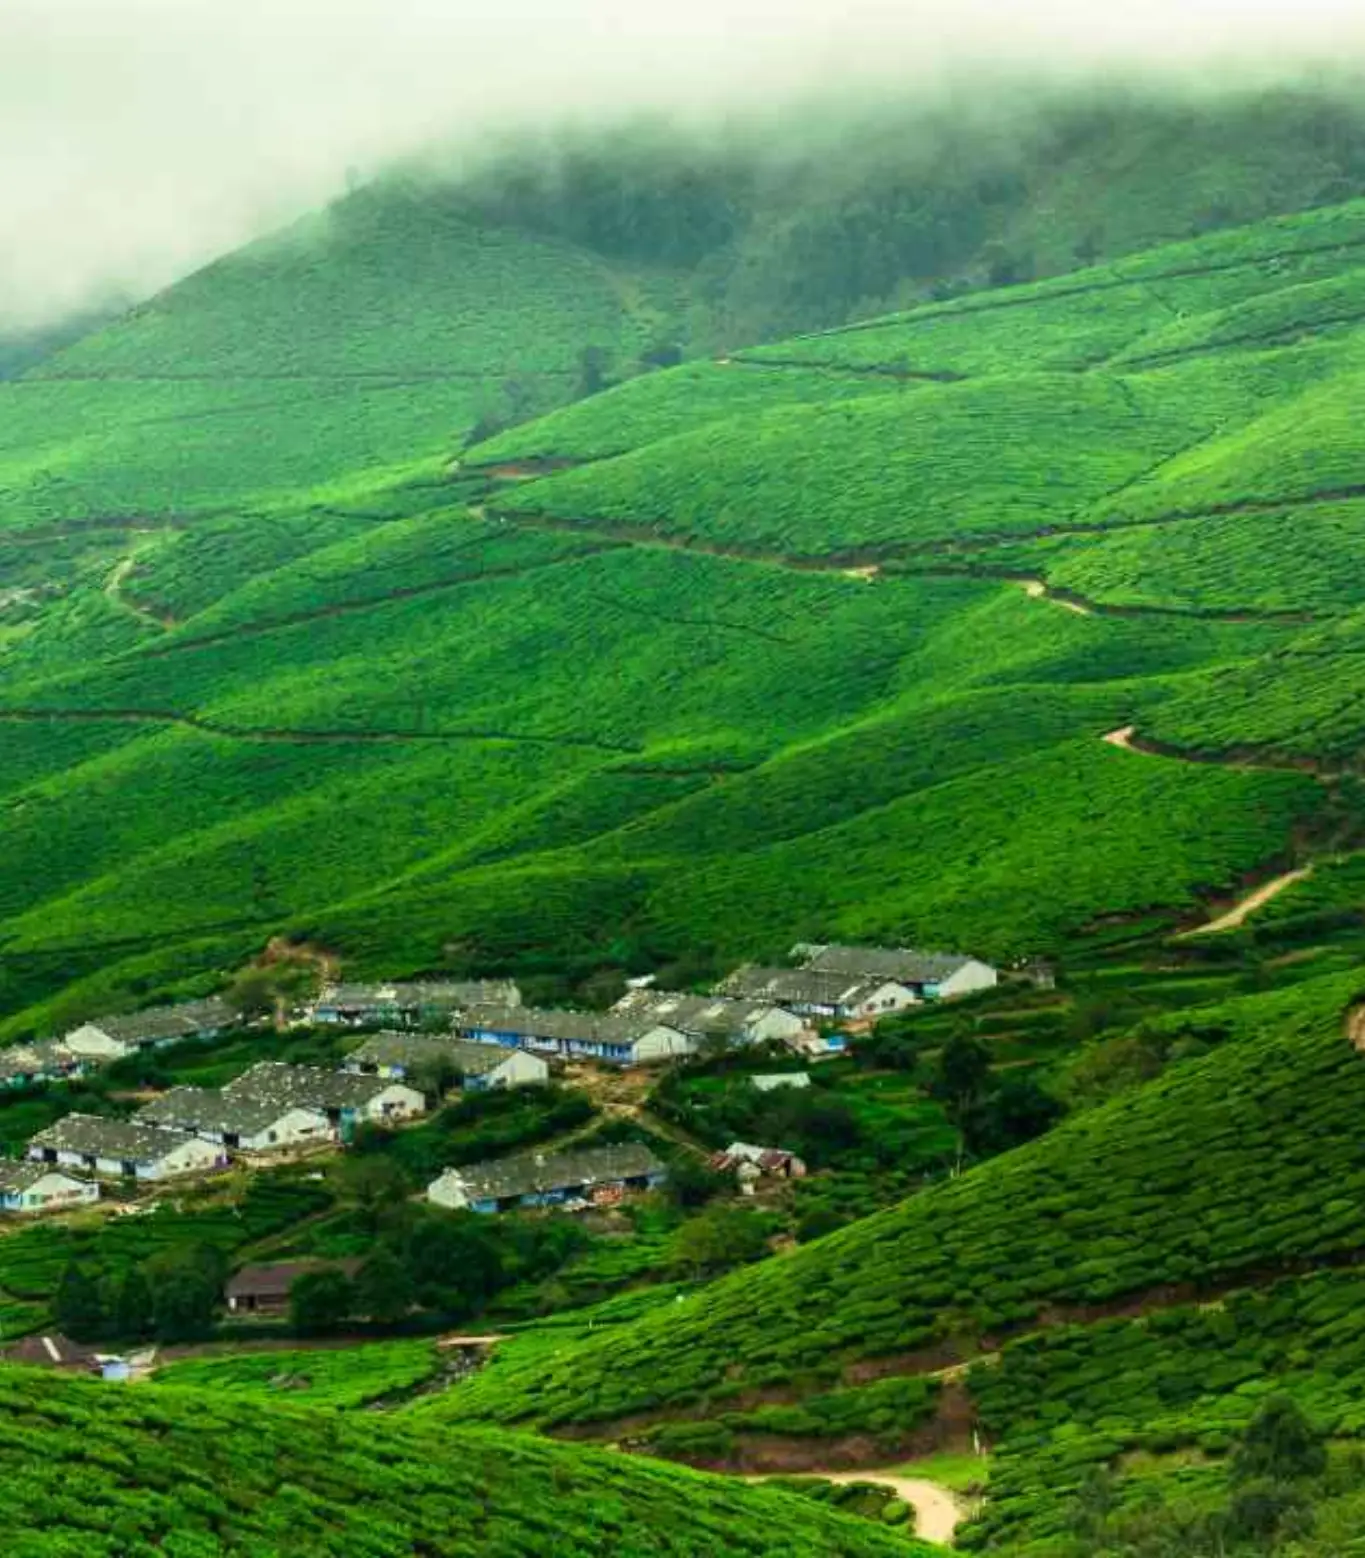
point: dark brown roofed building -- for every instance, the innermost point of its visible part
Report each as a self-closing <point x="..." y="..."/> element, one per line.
<point x="264" y="1290"/>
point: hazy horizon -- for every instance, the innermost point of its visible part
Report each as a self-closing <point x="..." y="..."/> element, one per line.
<point x="139" y="138"/>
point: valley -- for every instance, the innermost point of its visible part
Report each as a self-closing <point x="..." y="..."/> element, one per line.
<point x="619" y="571"/>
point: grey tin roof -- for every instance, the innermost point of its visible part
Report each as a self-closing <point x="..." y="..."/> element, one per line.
<point x="132" y="1141"/>
<point x="539" y="1173"/>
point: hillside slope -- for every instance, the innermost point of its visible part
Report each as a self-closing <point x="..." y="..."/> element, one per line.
<point x="691" y="667"/>
<point x="172" y="1471"/>
<point x="1231" y="1167"/>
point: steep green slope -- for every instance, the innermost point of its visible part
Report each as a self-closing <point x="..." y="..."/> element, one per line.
<point x="1246" y="1161"/>
<point x="707" y="689"/>
<point x="164" y="1470"/>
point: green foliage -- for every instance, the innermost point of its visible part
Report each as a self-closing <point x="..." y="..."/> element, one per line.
<point x="331" y="1376"/>
<point x="1105" y="1205"/>
<point x="321" y="1301"/>
<point x="125" y="1474"/>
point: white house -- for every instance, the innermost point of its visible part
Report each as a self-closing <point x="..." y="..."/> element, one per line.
<point x="703" y="1017"/>
<point x="821" y="993"/>
<point x="409" y="1002"/>
<point x="617" y="1038"/>
<point x="931" y="975"/>
<point x="124" y="1149"/>
<point x="343" y="1097"/>
<point x="599" y="1176"/>
<point x="248" y="1125"/>
<point x="40" y="1187"/>
<point x="398" y="1056"/>
<point x="108" y="1038"/>
<point x="92" y="1042"/>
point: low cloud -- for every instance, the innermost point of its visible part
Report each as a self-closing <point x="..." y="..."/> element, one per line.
<point x="140" y="137"/>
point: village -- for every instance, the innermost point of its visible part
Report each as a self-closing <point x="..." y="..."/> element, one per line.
<point x="422" y="1041"/>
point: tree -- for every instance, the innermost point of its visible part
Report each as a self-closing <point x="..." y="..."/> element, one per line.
<point x="1280" y="1444"/>
<point x="186" y="1285"/>
<point x="964" y="1069"/>
<point x="718" y="1239"/>
<point x="691" y="1182"/>
<point x="436" y="1077"/>
<point x="129" y="1305"/>
<point x="594" y="364"/>
<point x="78" y="1306"/>
<point x="1013" y="1111"/>
<point x="372" y="1183"/>
<point x="383" y="1289"/>
<point x="321" y="1301"/>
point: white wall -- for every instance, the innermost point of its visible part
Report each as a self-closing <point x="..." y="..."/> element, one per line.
<point x="520" y="1069"/>
<point x="973" y="975"/>
<point x="397" y="1101"/>
<point x="890" y="997"/>
<point x="661" y="1043"/>
<point x="295" y="1127"/>
<point x="446" y="1191"/>
<point x="191" y="1157"/>
<point x="91" y="1040"/>
<point x="776" y="1024"/>
<point x="57" y="1189"/>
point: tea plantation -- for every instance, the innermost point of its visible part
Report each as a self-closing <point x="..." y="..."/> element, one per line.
<point x="1243" y="1161"/>
<point x="662" y="704"/>
<point x="190" y="1472"/>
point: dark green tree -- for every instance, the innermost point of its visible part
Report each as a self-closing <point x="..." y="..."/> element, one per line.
<point x="1280" y="1444"/>
<point x="186" y="1284"/>
<point x="720" y="1238"/>
<point x="129" y="1305"/>
<point x="383" y="1288"/>
<point x="692" y="1183"/>
<point x="321" y="1302"/>
<point x="78" y="1307"/>
<point x="964" y="1070"/>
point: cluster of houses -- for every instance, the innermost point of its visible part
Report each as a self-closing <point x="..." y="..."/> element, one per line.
<point x="491" y="1040"/>
<point x="106" y="1039"/>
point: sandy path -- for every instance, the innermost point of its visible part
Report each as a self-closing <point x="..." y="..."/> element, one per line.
<point x="1253" y="901"/>
<point x="1122" y="738"/>
<point x="938" y="1513"/>
<point x="1036" y="589"/>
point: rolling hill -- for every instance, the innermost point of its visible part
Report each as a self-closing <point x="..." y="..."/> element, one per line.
<point x="691" y="667"/>
<point x="169" y="1470"/>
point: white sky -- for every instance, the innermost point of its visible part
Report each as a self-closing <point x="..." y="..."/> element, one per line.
<point x="140" y="137"/>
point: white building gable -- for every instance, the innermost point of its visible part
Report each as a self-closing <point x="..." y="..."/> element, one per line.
<point x="91" y="1040"/>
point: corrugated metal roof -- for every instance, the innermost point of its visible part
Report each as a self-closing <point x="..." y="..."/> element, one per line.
<point x="132" y="1141"/>
<point x="904" y="963"/>
<point x="541" y="1173"/>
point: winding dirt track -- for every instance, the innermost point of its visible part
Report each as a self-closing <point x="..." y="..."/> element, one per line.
<point x="1239" y="912"/>
<point x="938" y="1513"/>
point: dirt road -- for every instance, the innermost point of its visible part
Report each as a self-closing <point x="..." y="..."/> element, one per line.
<point x="1236" y="915"/>
<point x="938" y="1513"/>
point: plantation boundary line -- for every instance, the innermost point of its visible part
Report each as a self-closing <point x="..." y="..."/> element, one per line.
<point x="1245" y="759"/>
<point x="370" y="602"/>
<point x="848" y="370"/>
<point x="1286" y="335"/>
<point x="892" y="559"/>
<point x="689" y="622"/>
<point x="113" y="591"/>
<point x="986" y="304"/>
<point x="394" y="378"/>
<point x="938" y="1511"/>
<point x="305" y="737"/>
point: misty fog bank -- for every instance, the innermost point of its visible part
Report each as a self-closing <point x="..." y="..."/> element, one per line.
<point x="139" y="138"/>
